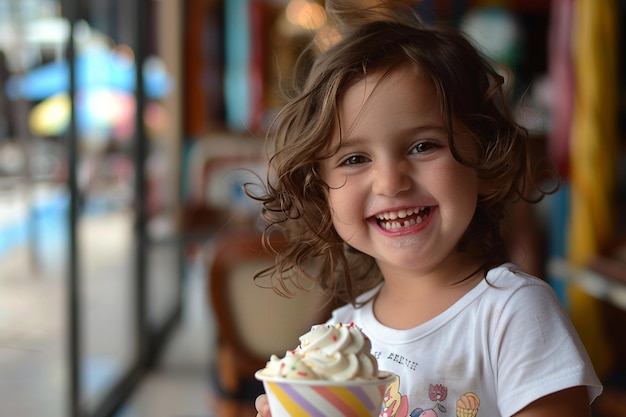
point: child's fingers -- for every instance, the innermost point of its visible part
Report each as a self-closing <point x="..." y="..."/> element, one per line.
<point x="262" y="406"/>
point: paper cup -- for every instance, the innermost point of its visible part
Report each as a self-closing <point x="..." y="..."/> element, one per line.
<point x="321" y="398"/>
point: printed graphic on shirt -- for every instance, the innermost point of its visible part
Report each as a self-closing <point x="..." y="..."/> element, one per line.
<point x="397" y="405"/>
<point x="394" y="404"/>
<point x="467" y="405"/>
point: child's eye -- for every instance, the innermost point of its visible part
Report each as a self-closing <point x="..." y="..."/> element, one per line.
<point x="354" y="160"/>
<point x="423" y="147"/>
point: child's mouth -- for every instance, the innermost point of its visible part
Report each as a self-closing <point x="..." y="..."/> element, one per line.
<point x="405" y="218"/>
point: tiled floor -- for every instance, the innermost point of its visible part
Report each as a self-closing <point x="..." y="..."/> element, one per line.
<point x="32" y="374"/>
<point x="180" y="387"/>
<point x="33" y="367"/>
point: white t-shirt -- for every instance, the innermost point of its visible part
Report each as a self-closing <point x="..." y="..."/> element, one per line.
<point x="505" y="344"/>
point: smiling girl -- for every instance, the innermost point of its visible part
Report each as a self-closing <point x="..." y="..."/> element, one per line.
<point x="393" y="169"/>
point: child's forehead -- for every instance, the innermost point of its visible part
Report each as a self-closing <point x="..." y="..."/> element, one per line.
<point x="391" y="99"/>
<point x="379" y="82"/>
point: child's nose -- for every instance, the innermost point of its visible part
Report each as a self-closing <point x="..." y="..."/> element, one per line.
<point x="390" y="179"/>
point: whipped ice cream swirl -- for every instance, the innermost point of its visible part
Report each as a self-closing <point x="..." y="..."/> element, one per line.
<point x="333" y="352"/>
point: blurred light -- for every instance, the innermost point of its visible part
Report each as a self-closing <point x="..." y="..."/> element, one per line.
<point x="96" y="67"/>
<point x="326" y="37"/>
<point x="101" y="114"/>
<point x="495" y="32"/>
<point x="307" y="15"/>
<point x="51" y="116"/>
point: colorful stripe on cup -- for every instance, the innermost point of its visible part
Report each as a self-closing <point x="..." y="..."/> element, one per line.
<point x="323" y="401"/>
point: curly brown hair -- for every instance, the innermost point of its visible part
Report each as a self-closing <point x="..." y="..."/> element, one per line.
<point x="470" y="90"/>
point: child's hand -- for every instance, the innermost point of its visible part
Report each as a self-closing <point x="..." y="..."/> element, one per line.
<point x="262" y="406"/>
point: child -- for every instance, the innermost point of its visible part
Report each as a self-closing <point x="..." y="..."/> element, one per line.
<point x="393" y="169"/>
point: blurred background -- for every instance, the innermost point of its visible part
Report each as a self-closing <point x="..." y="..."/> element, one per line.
<point x="124" y="125"/>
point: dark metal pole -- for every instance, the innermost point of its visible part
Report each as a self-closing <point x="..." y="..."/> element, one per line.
<point x="141" y="212"/>
<point x="73" y="302"/>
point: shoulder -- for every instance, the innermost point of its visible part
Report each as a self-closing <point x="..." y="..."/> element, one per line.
<point x="343" y="314"/>
<point x="530" y="333"/>
<point x="352" y="314"/>
<point x="508" y="284"/>
<point x="514" y="299"/>
<point x="512" y="276"/>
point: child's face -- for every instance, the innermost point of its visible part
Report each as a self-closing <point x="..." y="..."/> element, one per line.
<point x="396" y="192"/>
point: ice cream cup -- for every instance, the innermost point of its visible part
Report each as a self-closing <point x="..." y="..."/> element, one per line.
<point x="323" y="398"/>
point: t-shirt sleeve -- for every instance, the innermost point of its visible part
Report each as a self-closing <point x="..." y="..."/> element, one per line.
<point x="537" y="350"/>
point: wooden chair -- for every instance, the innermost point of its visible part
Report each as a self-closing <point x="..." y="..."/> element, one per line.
<point x="252" y="322"/>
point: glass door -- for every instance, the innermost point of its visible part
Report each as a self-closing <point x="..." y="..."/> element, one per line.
<point x="89" y="149"/>
<point x="103" y="142"/>
<point x="126" y="189"/>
